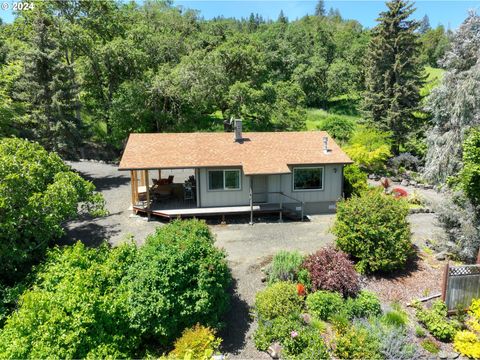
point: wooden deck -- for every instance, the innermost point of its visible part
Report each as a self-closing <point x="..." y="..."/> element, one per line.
<point x="209" y="211"/>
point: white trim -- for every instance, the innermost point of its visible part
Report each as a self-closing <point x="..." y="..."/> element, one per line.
<point x="308" y="167"/>
<point x="224" y="188"/>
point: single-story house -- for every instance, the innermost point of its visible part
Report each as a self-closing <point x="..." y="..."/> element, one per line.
<point x="289" y="172"/>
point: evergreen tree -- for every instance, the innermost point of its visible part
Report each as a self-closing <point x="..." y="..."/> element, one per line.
<point x="48" y="88"/>
<point x="424" y="25"/>
<point x="282" y="18"/>
<point x="454" y="105"/>
<point x="393" y="72"/>
<point x="320" y="8"/>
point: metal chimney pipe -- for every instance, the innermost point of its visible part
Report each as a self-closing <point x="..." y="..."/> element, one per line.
<point x="238" y="130"/>
<point x="325" y="144"/>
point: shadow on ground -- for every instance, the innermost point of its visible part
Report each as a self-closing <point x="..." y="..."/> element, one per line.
<point x="237" y="324"/>
<point x="105" y="182"/>
<point x="89" y="233"/>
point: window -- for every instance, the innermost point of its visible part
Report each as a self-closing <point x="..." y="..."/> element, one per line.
<point x="308" y="178"/>
<point x="224" y="179"/>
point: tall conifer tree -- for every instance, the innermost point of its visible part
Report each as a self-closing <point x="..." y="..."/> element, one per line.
<point x="393" y="72"/>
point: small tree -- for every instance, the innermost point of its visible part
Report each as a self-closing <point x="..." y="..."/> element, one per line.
<point x="470" y="174"/>
<point x="374" y="230"/>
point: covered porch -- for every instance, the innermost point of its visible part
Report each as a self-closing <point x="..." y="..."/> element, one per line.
<point x="175" y="193"/>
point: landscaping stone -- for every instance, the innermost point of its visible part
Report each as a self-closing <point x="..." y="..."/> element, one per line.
<point x="413" y="183"/>
<point x="441" y="256"/>
<point x="453" y="355"/>
<point x="371" y="176"/>
<point x="263" y="279"/>
<point x="405" y="182"/>
<point x="275" y="350"/>
<point x="442" y="355"/>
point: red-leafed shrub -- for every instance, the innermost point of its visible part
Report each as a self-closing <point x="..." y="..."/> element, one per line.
<point x="330" y="269"/>
<point x="399" y="193"/>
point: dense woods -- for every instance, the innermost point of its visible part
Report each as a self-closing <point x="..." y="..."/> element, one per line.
<point x="86" y="74"/>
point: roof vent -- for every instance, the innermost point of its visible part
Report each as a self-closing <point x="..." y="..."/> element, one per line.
<point x="238" y="130"/>
<point x="325" y="145"/>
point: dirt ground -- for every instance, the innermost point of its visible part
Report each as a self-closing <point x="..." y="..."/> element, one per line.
<point x="248" y="248"/>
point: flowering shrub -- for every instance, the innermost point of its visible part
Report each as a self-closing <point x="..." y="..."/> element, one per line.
<point x="331" y="270"/>
<point x="197" y="342"/>
<point x="305" y="344"/>
<point x="301" y="290"/>
<point x="374" y="230"/>
<point x="467" y="342"/>
<point x="278" y="329"/>
<point x="279" y="299"/>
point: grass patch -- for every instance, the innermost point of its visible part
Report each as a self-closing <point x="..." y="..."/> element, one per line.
<point x="315" y="117"/>
<point x="434" y="77"/>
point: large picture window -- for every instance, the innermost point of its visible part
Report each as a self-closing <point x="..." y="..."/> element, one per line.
<point x="308" y="178"/>
<point x="228" y="179"/>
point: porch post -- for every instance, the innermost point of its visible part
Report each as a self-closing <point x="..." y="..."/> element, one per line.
<point x="132" y="180"/>
<point x="251" y="202"/>
<point x="147" y="189"/>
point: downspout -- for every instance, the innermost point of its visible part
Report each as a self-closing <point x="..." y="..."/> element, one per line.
<point x="251" y="201"/>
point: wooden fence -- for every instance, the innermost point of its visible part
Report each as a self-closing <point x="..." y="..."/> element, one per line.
<point x="460" y="285"/>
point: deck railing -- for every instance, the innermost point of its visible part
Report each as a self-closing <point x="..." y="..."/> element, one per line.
<point x="280" y="202"/>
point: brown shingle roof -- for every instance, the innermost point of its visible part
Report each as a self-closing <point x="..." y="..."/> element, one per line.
<point x="259" y="153"/>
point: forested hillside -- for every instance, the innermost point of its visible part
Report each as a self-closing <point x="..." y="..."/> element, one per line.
<point x="79" y="75"/>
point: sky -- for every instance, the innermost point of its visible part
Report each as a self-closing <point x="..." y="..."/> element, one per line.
<point x="448" y="13"/>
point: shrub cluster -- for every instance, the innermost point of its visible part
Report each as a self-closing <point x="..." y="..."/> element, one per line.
<point x="467" y="342"/>
<point x="436" y="322"/>
<point x="285" y="266"/>
<point x="178" y="271"/>
<point x="374" y="230"/>
<point x="331" y="270"/>
<point x="325" y="305"/>
<point x="112" y="302"/>
<point x="340" y="128"/>
<point x="277" y="300"/>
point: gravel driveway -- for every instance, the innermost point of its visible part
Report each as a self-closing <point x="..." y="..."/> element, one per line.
<point x="248" y="248"/>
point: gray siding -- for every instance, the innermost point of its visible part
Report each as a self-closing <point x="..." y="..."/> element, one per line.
<point x="316" y="201"/>
<point x="332" y="187"/>
<point x="223" y="197"/>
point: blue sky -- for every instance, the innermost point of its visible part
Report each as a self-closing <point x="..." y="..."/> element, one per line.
<point x="448" y="13"/>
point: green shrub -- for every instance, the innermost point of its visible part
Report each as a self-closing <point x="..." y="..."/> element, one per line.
<point x="430" y="346"/>
<point x="180" y="279"/>
<point x="278" y="329"/>
<point x="355" y="180"/>
<point x="358" y="342"/>
<point x="369" y="148"/>
<point x="304" y="278"/>
<point x="197" y="342"/>
<point x="365" y="305"/>
<point x="340" y="128"/>
<point x="420" y="332"/>
<point x="38" y="193"/>
<point x="279" y="299"/>
<point x="470" y="174"/>
<point x="285" y="266"/>
<point x="436" y="322"/>
<point x="374" y="230"/>
<point x="76" y="308"/>
<point x="305" y="344"/>
<point x="323" y="304"/>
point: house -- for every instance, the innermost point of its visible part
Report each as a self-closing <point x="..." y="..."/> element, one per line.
<point x="294" y="173"/>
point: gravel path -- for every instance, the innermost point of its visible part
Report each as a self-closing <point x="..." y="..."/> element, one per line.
<point x="248" y="248"/>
